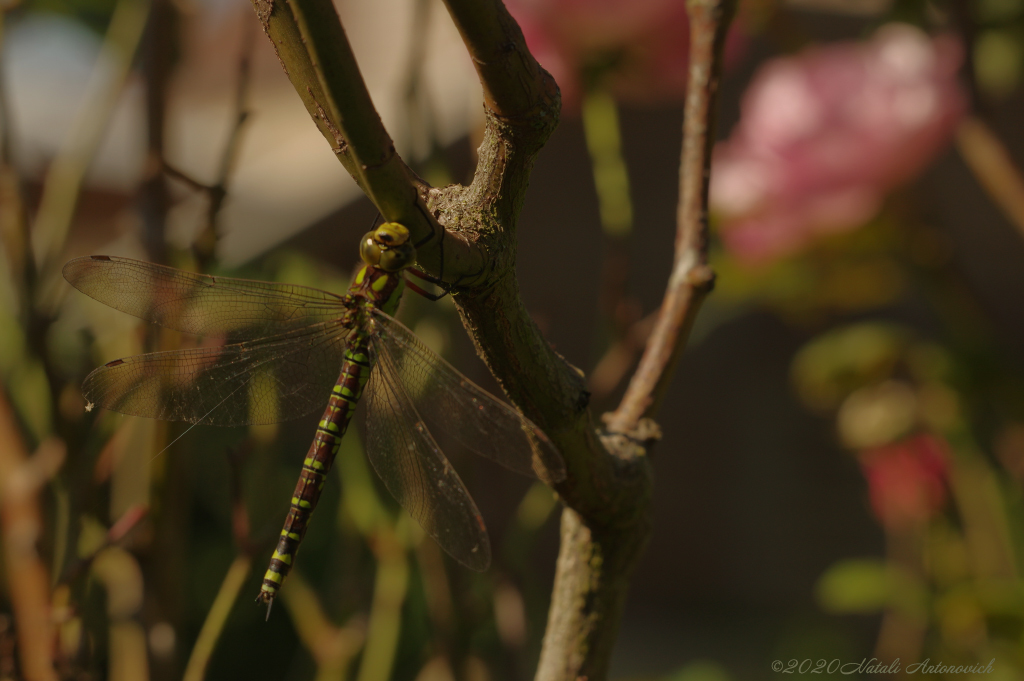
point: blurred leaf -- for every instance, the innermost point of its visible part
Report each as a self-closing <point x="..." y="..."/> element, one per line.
<point x="835" y="364"/>
<point x="999" y="10"/>
<point x="998" y="62"/>
<point x="1001" y="597"/>
<point x="960" y="617"/>
<point x="845" y="272"/>
<point x="868" y="585"/>
<point x="877" y="414"/>
<point x="947" y="555"/>
<point x="91" y="536"/>
<point x="929" y="362"/>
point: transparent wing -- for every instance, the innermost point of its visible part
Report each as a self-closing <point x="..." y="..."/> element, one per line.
<point x="418" y="475"/>
<point x="262" y="381"/>
<point x="452" y="403"/>
<point x="201" y="304"/>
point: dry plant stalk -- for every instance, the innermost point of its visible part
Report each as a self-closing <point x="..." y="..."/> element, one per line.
<point x="21" y="479"/>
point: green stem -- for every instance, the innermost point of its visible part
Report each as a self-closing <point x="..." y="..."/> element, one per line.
<point x="332" y="647"/>
<point x="386" y="612"/>
<point x="216" y="618"/>
<point x="611" y="179"/>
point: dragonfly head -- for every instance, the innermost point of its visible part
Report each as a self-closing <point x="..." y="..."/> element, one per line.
<point x="388" y="247"/>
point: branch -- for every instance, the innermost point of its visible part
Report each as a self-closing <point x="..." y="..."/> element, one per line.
<point x="608" y="494"/>
<point x="316" y="55"/>
<point x="691" y="279"/>
<point x="515" y="85"/>
<point x="598" y="553"/>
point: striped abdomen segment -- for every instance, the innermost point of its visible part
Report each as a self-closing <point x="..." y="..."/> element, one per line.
<point x="355" y="371"/>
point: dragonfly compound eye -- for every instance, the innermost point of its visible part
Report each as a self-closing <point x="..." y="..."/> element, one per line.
<point x="391" y="234"/>
<point x="369" y="250"/>
<point x="388" y="247"/>
<point x="397" y="257"/>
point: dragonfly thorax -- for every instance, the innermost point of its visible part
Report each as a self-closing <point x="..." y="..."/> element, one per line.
<point x="388" y="248"/>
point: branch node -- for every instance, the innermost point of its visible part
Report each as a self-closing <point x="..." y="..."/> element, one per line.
<point x="640" y="438"/>
<point x="701" y="277"/>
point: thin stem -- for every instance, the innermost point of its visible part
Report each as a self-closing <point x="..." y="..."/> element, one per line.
<point x="64" y="180"/>
<point x="385" y="622"/>
<point x="993" y="167"/>
<point x="691" y="279"/>
<point x="216" y="617"/>
<point x="157" y="61"/>
<point x="620" y="357"/>
<point x="611" y="178"/>
<point x="205" y="244"/>
<point x="332" y="647"/>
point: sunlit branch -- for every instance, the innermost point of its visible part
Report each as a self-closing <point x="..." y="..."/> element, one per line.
<point x="691" y="279"/>
<point x="515" y="85"/>
<point x="316" y="54"/>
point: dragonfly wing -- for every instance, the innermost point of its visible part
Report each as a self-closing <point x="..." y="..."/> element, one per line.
<point x="452" y="403"/>
<point x="257" y="382"/>
<point x="418" y="475"/>
<point x="200" y="304"/>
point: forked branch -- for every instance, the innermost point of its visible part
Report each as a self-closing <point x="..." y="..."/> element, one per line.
<point x="607" y="493"/>
<point x="316" y="55"/>
<point x="515" y="85"/>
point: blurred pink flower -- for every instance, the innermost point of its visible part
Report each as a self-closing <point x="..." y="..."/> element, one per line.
<point x="906" y="480"/>
<point x="639" y="46"/>
<point x="824" y="135"/>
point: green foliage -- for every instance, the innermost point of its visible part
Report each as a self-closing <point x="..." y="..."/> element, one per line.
<point x="868" y="586"/>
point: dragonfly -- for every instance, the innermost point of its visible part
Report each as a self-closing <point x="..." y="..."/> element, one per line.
<point x="272" y="352"/>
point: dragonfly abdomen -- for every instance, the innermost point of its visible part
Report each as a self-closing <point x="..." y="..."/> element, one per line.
<point x="355" y="372"/>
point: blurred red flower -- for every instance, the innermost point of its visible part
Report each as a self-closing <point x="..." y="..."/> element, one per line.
<point x="825" y="134"/>
<point x="638" y="48"/>
<point x="907" y="480"/>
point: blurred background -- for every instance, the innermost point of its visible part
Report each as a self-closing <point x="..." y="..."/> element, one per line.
<point x="843" y="448"/>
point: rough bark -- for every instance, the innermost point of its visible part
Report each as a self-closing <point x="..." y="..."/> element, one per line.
<point x="467" y="236"/>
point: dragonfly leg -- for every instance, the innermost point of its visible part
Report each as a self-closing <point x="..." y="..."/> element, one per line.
<point x="432" y="297"/>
